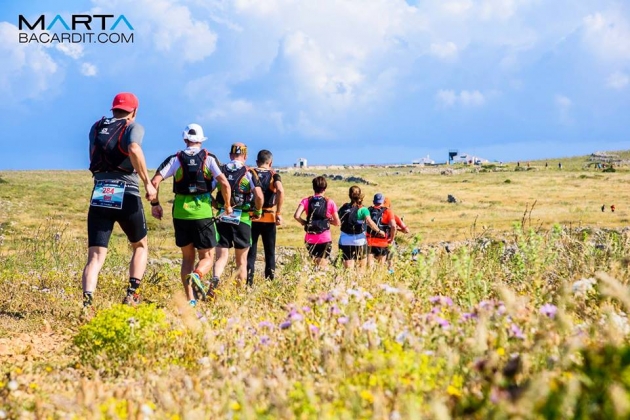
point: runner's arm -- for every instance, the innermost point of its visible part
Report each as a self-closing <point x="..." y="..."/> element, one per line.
<point x="374" y="226"/>
<point x="298" y="214"/>
<point x="280" y="202"/>
<point x="258" y="202"/>
<point x="156" y="208"/>
<point x="139" y="164"/>
<point x="226" y="192"/>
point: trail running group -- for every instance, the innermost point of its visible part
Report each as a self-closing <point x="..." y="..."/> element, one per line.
<point x="246" y="207"/>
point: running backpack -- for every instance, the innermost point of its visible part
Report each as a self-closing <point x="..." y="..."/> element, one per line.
<point x="376" y="214"/>
<point x="242" y="198"/>
<point x="269" y="191"/>
<point x="107" y="153"/>
<point x="316" y="220"/>
<point x="350" y="223"/>
<point x="193" y="180"/>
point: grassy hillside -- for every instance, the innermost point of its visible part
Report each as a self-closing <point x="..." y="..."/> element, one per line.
<point x="523" y="316"/>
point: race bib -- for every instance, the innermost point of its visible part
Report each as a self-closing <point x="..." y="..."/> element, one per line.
<point x="108" y="193"/>
<point x="234" y="218"/>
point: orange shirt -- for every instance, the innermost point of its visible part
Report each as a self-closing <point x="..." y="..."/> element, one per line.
<point x="376" y="241"/>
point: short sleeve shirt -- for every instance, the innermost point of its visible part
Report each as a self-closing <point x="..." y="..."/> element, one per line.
<point x="324" y="237"/>
<point x="378" y="242"/>
<point x="187" y="206"/>
<point x="134" y="133"/>
<point x="358" y="239"/>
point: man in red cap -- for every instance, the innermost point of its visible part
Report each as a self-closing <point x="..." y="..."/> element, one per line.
<point x="117" y="164"/>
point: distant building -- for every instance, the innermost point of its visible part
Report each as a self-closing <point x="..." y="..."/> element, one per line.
<point x="467" y="159"/>
<point x="301" y="163"/>
<point x="424" y="161"/>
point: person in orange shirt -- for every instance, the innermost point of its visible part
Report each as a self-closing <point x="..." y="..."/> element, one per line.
<point x="400" y="225"/>
<point x="378" y="247"/>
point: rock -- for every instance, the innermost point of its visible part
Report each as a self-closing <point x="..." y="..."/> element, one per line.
<point x="452" y="199"/>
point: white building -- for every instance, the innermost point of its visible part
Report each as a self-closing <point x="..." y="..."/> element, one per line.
<point x="424" y="161"/>
<point x="301" y="163"/>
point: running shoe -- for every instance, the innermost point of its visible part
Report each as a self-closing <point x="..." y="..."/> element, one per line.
<point x="192" y="303"/>
<point x="199" y="289"/>
<point x="132" y="299"/>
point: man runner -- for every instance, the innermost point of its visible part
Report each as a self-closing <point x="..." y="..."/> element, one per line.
<point x="265" y="227"/>
<point x="117" y="164"/>
<point x="193" y="170"/>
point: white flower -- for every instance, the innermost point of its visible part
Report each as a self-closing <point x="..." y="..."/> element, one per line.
<point x="583" y="286"/>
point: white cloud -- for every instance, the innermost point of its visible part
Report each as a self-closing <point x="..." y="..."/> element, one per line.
<point x="608" y="35"/>
<point x="618" y="80"/>
<point x="445" y="51"/>
<point x="169" y="25"/>
<point x="27" y="70"/>
<point x="88" y="69"/>
<point x="71" y="50"/>
<point x="457" y="7"/>
<point x="449" y="98"/>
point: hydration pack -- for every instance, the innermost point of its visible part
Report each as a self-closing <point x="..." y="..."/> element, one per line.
<point x="241" y="198"/>
<point x="107" y="153"/>
<point x="269" y="191"/>
<point x="316" y="220"/>
<point x="376" y="214"/>
<point x="350" y="223"/>
<point x="193" y="180"/>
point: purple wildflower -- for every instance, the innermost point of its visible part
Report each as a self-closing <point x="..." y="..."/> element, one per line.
<point x="306" y="309"/>
<point x="467" y="316"/>
<point x="286" y="324"/>
<point x="516" y="331"/>
<point x="313" y="328"/>
<point x="442" y="322"/>
<point x="264" y="340"/>
<point x="342" y="320"/>
<point x="442" y="300"/>
<point x="295" y="316"/>
<point x="549" y="310"/>
<point x="334" y="310"/>
<point x="265" y="324"/>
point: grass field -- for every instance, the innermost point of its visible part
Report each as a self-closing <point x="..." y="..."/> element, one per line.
<point x="524" y="318"/>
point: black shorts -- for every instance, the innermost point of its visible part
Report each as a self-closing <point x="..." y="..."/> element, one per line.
<point x="234" y="236"/>
<point x="379" y="251"/>
<point x="319" y="250"/>
<point x="353" y="252"/>
<point x="201" y="233"/>
<point x="130" y="217"/>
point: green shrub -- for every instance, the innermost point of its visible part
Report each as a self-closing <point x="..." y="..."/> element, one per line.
<point x="123" y="336"/>
<point x="609" y="169"/>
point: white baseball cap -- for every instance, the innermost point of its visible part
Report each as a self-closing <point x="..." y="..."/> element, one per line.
<point x="194" y="132"/>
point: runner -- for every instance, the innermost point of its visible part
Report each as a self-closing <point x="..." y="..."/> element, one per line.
<point x="378" y="247"/>
<point x="117" y="165"/>
<point x="235" y="230"/>
<point x="352" y="240"/>
<point x="193" y="170"/>
<point x="320" y="212"/>
<point x="265" y="227"/>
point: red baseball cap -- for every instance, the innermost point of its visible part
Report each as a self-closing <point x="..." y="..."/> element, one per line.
<point x="125" y="101"/>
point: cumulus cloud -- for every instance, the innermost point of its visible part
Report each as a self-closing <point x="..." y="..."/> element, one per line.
<point x="468" y="98"/>
<point x="618" y="80"/>
<point x="171" y="27"/>
<point x="71" y="50"/>
<point x="27" y="70"/>
<point x="88" y="69"/>
<point x="445" y="51"/>
<point x="608" y="35"/>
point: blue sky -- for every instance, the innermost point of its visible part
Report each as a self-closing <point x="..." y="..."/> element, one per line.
<point x="335" y="81"/>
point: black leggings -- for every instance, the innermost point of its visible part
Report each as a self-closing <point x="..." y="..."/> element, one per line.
<point x="268" y="233"/>
<point x="131" y="219"/>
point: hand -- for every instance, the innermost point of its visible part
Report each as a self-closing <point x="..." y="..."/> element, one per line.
<point x="227" y="210"/>
<point x="151" y="192"/>
<point x="157" y="212"/>
<point x="256" y="214"/>
<point x="381" y="234"/>
<point x="278" y="220"/>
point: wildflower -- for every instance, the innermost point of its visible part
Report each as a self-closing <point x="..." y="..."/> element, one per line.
<point x="133" y="322"/>
<point x="204" y="361"/>
<point x="12" y="385"/>
<point x="402" y="337"/>
<point x="306" y="309"/>
<point x="264" y="340"/>
<point x="146" y="410"/>
<point x="342" y="320"/>
<point x="367" y="396"/>
<point x="295" y="316"/>
<point x="389" y="289"/>
<point x="548" y="310"/>
<point x="284" y="325"/>
<point x="516" y="331"/>
<point x="442" y="322"/>
<point x="467" y="316"/>
<point x="369" y="325"/>
<point x="265" y="324"/>
<point x="451" y="390"/>
<point x="334" y="310"/>
<point x="313" y="328"/>
<point x="583" y="286"/>
<point x="620" y="320"/>
<point x="441" y="300"/>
